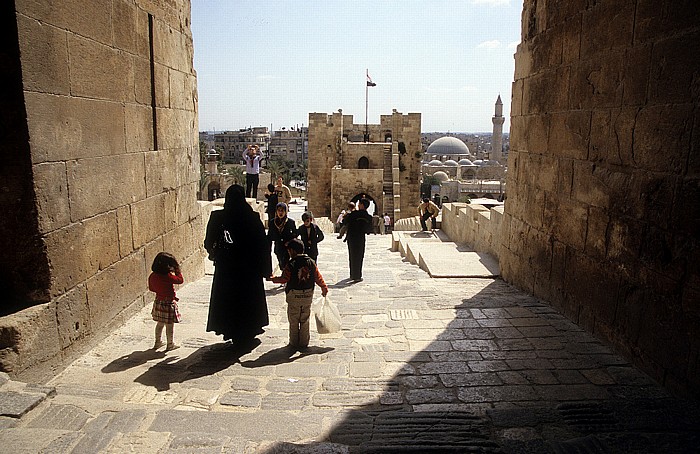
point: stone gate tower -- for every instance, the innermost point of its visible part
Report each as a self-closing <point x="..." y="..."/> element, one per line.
<point x="342" y="165"/>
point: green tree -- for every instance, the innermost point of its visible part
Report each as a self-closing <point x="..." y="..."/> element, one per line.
<point x="236" y="173"/>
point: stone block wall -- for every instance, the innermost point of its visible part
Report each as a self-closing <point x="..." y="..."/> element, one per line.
<point x="105" y="102"/>
<point x="603" y="208"/>
<point x="347" y="183"/>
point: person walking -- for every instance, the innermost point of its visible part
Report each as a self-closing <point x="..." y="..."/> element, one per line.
<point x="280" y="232"/>
<point x="343" y="228"/>
<point x="252" y="157"/>
<point x="166" y="274"/>
<point x="310" y="235"/>
<point x="272" y="201"/>
<point x="359" y="224"/>
<point x="387" y="223"/>
<point x="235" y="240"/>
<point x="300" y="276"/>
<point x="427" y="210"/>
<point x="284" y="195"/>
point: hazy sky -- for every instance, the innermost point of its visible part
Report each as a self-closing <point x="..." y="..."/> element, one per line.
<point x="270" y="63"/>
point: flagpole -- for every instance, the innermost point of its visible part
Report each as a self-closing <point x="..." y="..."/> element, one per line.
<point x="366" y="105"/>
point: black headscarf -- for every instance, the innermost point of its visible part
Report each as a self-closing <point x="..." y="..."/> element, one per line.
<point x="235" y="205"/>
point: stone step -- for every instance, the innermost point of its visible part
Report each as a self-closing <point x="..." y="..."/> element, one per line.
<point x="434" y="253"/>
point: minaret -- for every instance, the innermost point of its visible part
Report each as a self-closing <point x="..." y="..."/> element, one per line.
<point x="497" y="137"/>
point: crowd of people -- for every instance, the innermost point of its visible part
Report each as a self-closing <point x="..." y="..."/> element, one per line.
<point x="240" y="248"/>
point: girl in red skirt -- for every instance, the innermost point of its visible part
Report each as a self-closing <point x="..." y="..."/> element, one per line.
<point x="166" y="273"/>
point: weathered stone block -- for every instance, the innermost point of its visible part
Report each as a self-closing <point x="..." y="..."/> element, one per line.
<point x="51" y="188"/>
<point x="142" y="81"/>
<point x="80" y="250"/>
<point x="606" y="26"/>
<point x="35" y="337"/>
<point x="183" y="90"/>
<point x="126" y="242"/>
<point x="73" y="316"/>
<point x="176" y="129"/>
<point x="148" y="219"/>
<point x="44" y="51"/>
<point x="130" y="274"/>
<point x="59" y="127"/>
<point x="570" y="224"/>
<point x="124" y="25"/>
<point x="100" y="71"/>
<point x="87" y="19"/>
<point x="598" y="83"/>
<point x="569" y="134"/>
<point x="138" y="121"/>
<point x="162" y="86"/>
<point x="663" y="130"/>
<point x="673" y="77"/>
<point x="596" y="237"/>
<point x="105" y="183"/>
<point x="591" y="186"/>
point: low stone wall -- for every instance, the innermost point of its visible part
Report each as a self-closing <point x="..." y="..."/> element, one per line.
<point x="476" y="225"/>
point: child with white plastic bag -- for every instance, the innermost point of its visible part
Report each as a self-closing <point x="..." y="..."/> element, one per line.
<point x="300" y="275"/>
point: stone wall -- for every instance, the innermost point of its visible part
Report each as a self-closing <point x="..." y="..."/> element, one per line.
<point x="108" y="168"/>
<point x="347" y="183"/>
<point x="603" y="208"/>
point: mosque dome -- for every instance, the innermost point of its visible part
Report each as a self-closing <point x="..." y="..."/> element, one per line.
<point x="478" y="162"/>
<point x="465" y="162"/>
<point x="448" y="146"/>
<point x="442" y="176"/>
<point x="451" y="163"/>
<point x="435" y="162"/>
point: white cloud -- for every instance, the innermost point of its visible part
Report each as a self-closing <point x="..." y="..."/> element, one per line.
<point x="489" y="44"/>
<point x="513" y="45"/>
<point x="491" y="2"/>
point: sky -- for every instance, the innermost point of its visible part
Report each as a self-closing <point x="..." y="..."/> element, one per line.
<point x="271" y="63"/>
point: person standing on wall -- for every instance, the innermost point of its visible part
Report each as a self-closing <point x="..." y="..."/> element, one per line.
<point x="359" y="224"/>
<point x="252" y="157"/>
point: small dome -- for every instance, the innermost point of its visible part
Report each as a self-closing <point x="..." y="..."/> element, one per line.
<point x="451" y="163"/>
<point x="435" y="162"/>
<point x="448" y="146"/>
<point x="442" y="176"/>
<point x="465" y="162"/>
<point x="478" y="162"/>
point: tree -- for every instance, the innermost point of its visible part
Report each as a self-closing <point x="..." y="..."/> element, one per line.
<point x="237" y="175"/>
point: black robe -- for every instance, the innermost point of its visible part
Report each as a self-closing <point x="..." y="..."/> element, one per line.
<point x="359" y="224"/>
<point x="311" y="240"/>
<point x="237" y="307"/>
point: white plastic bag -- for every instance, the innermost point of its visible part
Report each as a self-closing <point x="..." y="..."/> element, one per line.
<point x="327" y="316"/>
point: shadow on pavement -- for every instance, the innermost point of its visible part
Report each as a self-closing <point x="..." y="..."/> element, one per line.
<point x="284" y="355"/>
<point x="133" y="359"/>
<point x="507" y="374"/>
<point x="204" y="361"/>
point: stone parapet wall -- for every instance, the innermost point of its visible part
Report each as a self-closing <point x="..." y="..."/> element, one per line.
<point x="112" y="160"/>
<point x="476" y="225"/>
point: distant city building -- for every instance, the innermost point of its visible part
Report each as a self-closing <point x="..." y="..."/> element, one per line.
<point x="290" y="145"/>
<point x="232" y="144"/>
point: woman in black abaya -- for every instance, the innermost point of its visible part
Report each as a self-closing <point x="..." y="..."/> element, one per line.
<point x="236" y="241"/>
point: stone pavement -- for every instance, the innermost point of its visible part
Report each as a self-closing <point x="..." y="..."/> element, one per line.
<point x="421" y="364"/>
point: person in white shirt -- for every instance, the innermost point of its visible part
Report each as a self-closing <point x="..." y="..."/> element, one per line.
<point x="252" y="157"/>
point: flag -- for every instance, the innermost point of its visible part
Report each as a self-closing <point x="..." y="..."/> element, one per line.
<point x="369" y="82"/>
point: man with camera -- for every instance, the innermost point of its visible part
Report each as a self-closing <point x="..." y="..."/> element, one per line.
<point x="252" y="157"/>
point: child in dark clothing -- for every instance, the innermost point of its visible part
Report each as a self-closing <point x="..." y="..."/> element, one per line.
<point x="310" y="234"/>
<point x="300" y="276"/>
<point x="280" y="232"/>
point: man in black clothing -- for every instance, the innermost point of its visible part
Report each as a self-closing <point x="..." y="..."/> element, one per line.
<point x="359" y="224"/>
